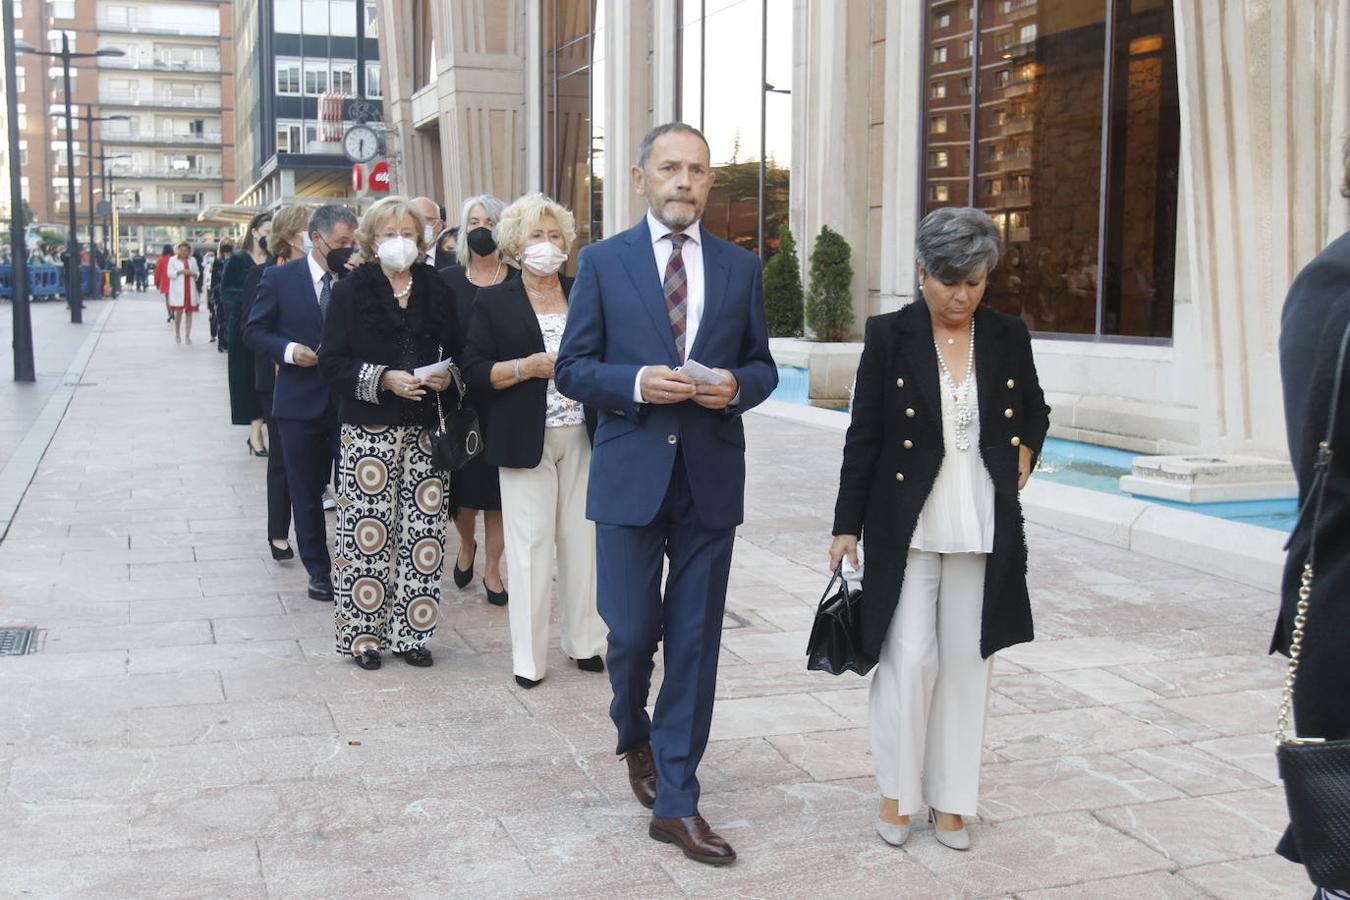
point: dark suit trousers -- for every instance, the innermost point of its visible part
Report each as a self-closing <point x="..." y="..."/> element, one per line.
<point x="308" y="446"/>
<point x="278" y="494"/>
<point x="688" y="621"/>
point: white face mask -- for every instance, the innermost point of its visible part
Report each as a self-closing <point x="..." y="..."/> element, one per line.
<point x="428" y="235"/>
<point x="306" y="242"/>
<point x="543" y="258"/>
<point x="397" y="253"/>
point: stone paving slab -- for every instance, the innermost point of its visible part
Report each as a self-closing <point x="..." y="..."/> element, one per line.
<point x="186" y="730"/>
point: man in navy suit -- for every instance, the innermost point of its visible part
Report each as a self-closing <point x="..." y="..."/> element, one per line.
<point x="286" y="323"/>
<point x="668" y="469"/>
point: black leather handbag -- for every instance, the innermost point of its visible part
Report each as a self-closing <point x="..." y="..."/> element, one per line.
<point x="457" y="438"/>
<point x="1316" y="772"/>
<point x="835" y="645"/>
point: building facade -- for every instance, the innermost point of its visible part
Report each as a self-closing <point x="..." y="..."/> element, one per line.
<point x="313" y="68"/>
<point x="1160" y="169"/>
<point x="167" y="147"/>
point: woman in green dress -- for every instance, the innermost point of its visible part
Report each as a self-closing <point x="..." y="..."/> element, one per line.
<point x="244" y="406"/>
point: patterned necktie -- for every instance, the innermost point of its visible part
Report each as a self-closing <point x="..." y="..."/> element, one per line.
<point x="675" y="285"/>
<point x="325" y="293"/>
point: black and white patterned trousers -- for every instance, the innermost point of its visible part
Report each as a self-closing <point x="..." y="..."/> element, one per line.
<point x="390" y="539"/>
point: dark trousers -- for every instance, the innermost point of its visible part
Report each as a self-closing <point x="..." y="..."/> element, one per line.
<point x="278" y="493"/>
<point x="689" y="624"/>
<point x="308" y="446"/>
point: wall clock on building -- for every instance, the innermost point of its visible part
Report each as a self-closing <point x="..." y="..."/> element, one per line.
<point x="361" y="143"/>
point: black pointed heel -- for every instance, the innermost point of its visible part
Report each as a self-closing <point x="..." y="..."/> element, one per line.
<point x="464" y="576"/>
<point x="281" y="554"/>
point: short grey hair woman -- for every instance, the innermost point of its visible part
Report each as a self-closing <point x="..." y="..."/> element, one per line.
<point x="948" y="419"/>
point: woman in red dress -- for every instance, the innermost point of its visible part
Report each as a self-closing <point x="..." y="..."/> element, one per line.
<point x="181" y="274"/>
<point x="162" y="279"/>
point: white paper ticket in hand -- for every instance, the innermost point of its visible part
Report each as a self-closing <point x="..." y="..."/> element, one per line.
<point x="421" y="372"/>
<point x="701" y="373"/>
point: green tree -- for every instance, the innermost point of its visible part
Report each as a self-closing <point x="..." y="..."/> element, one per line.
<point x="783" y="288"/>
<point x="829" y="303"/>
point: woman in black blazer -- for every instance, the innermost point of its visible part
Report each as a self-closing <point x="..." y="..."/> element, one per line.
<point x="948" y="418"/>
<point x="539" y="439"/>
<point x="386" y="319"/>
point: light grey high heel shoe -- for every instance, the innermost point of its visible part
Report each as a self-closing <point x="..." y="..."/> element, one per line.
<point x="956" y="840"/>
<point x="891" y="833"/>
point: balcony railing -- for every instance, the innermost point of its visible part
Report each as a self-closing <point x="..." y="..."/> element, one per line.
<point x="159" y="28"/>
<point x="208" y="174"/>
<point x="150" y="64"/>
<point x="130" y="98"/>
<point x="213" y="139"/>
<point x="179" y="210"/>
<point x="1019" y="124"/>
<point x="1013" y="162"/>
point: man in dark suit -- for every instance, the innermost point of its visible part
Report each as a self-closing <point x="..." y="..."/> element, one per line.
<point x="286" y="323"/>
<point x="668" y="469"/>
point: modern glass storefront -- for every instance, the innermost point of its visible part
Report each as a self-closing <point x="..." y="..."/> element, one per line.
<point x="573" y="110"/>
<point x="735" y="79"/>
<point x="1060" y="118"/>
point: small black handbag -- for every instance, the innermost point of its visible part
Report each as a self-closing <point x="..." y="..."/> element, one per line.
<point x="456" y="439"/>
<point x="835" y="645"/>
<point x="1316" y="772"/>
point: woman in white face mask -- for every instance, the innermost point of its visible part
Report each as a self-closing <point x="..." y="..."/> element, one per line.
<point x="386" y="319"/>
<point x="539" y="439"/>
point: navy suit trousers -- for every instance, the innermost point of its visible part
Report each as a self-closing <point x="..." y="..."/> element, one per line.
<point x="308" y="447"/>
<point x="689" y="623"/>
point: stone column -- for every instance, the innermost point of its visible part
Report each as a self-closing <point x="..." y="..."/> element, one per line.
<point x="628" y="104"/>
<point x="901" y="165"/>
<point x="1263" y="116"/>
<point x="665" y="29"/>
<point x="830" y="114"/>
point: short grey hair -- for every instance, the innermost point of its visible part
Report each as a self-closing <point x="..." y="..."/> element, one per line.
<point x="645" y="146"/>
<point x="327" y="217"/>
<point x="492" y="205"/>
<point x="956" y="243"/>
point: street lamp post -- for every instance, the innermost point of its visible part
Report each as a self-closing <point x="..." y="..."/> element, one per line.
<point x="24" y="369"/>
<point x="89" y="119"/>
<point x="73" y="248"/>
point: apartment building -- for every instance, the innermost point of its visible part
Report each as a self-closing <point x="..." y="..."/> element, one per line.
<point x="165" y="149"/>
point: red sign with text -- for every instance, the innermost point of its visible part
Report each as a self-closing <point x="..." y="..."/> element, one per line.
<point x="379" y="177"/>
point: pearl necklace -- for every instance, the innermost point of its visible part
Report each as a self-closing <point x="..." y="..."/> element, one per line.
<point x="965" y="413"/>
<point x="399" y="295"/>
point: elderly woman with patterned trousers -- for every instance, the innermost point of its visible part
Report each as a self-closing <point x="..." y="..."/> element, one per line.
<point x="948" y="417"/>
<point x="387" y="318"/>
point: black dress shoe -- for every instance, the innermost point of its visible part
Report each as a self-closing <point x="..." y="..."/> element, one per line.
<point x="528" y="683"/>
<point x="695" y="837"/>
<point x="496" y="598"/>
<point x="321" y="588"/>
<point x="464" y="576"/>
<point x="281" y="554"/>
<point x="594" y="664"/>
<point x="369" y="659"/>
<point x="418" y="656"/>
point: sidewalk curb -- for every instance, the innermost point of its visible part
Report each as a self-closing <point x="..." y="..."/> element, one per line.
<point x="1244" y="553"/>
<point x="20" y="468"/>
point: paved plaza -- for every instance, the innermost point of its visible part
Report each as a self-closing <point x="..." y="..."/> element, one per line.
<point x="186" y="729"/>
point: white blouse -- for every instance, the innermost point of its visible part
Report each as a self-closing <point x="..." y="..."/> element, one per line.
<point x="958" y="516"/>
<point x="559" y="411"/>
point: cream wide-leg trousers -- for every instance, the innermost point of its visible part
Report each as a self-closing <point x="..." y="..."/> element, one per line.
<point x="543" y="510"/>
<point x="930" y="690"/>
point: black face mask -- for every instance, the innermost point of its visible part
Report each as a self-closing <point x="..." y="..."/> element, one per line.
<point x="262" y="243"/>
<point x="481" y="242"/>
<point x="337" y="260"/>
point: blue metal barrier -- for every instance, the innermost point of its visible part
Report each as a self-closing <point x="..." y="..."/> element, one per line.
<point x="50" y="281"/>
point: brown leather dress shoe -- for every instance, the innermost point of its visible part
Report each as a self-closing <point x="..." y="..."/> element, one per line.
<point x="695" y="837"/>
<point x="642" y="775"/>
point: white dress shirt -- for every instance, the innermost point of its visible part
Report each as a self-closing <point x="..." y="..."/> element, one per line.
<point x="316" y="273"/>
<point x="958" y="516"/>
<point x="692" y="252"/>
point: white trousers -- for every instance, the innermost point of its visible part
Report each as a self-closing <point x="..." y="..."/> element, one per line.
<point x="930" y="690"/>
<point x="544" y="509"/>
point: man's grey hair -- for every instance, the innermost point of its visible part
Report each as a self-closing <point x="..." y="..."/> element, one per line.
<point x="645" y="147"/>
<point x="492" y="205"/>
<point x="957" y="243"/>
<point x="326" y="218"/>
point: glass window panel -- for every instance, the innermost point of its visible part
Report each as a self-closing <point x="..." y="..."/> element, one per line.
<point x="691" y="64"/>
<point x="778" y="122"/>
<point x="569" y="126"/>
<point x="947" y="135"/>
<point x="342" y="18"/>
<point x="286" y="16"/>
<point x="1039" y="171"/>
<point x="732" y="34"/>
<point x="314" y="16"/>
<point x="373" y="81"/>
<point x="1142" y="178"/>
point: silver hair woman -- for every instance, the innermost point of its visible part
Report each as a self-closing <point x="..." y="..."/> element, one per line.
<point x="477" y="486"/>
<point x="948" y="418"/>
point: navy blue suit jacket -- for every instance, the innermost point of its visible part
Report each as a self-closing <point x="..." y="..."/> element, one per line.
<point x="616" y="324"/>
<point x="285" y="310"/>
